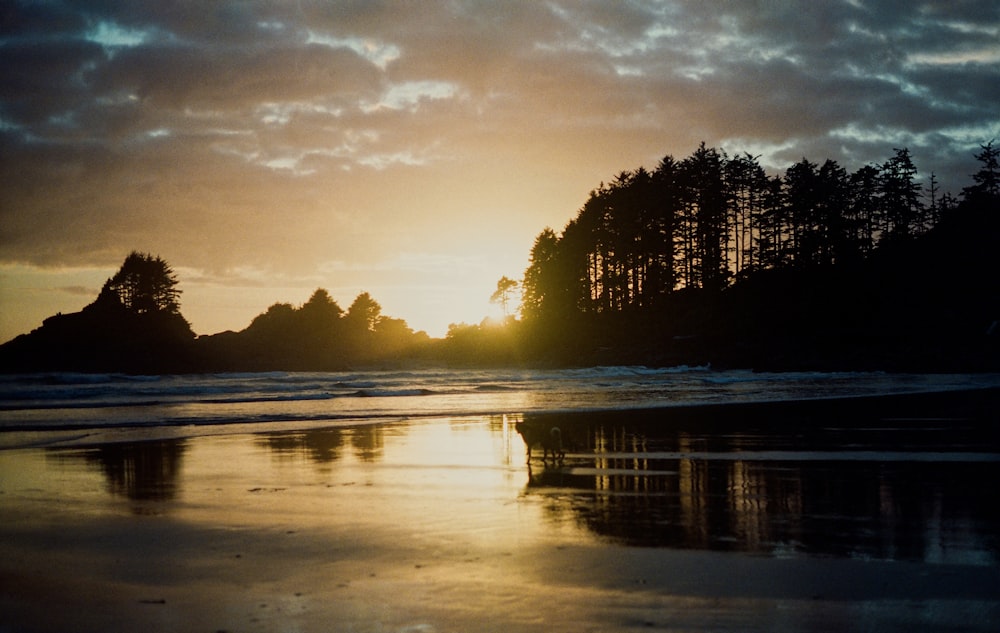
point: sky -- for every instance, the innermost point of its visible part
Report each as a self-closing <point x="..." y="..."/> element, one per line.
<point x="413" y="150"/>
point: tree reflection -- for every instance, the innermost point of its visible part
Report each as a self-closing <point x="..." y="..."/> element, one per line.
<point x="324" y="446"/>
<point x="677" y="488"/>
<point x="368" y="442"/>
<point x="140" y="471"/>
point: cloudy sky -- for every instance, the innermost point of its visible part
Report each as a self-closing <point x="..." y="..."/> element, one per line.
<point x="415" y="149"/>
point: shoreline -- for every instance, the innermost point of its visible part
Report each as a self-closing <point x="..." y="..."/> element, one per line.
<point x="948" y="403"/>
<point x="973" y="403"/>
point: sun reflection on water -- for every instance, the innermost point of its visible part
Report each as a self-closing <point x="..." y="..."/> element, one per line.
<point x="464" y="478"/>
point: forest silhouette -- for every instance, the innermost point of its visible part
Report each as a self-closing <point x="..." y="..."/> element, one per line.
<point x="703" y="260"/>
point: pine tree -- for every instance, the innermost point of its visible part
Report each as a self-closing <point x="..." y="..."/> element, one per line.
<point x="143" y="284"/>
<point x="987" y="179"/>
<point x="502" y="296"/>
<point x="902" y="208"/>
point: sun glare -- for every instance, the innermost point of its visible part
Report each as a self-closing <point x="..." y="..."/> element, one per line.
<point x="432" y="309"/>
<point x="213" y="308"/>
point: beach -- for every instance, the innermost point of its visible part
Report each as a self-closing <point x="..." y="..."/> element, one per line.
<point x="441" y="524"/>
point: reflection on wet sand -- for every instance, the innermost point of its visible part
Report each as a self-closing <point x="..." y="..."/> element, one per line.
<point x="651" y="523"/>
<point x="325" y="445"/>
<point x="925" y="512"/>
<point x="863" y="490"/>
<point x="139" y="471"/>
<point x="856" y="491"/>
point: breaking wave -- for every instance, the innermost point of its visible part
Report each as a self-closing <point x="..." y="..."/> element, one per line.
<point x="51" y="401"/>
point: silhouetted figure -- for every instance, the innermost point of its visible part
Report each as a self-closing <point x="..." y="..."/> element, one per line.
<point x="550" y="439"/>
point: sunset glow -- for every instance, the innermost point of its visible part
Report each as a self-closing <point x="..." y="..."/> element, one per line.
<point x="414" y="150"/>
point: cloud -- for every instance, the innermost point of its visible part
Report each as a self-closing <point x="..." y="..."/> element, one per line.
<point x="278" y="136"/>
<point x="84" y="291"/>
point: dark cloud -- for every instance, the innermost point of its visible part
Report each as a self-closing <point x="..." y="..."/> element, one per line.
<point x="43" y="20"/>
<point x="43" y="79"/>
<point x="184" y="77"/>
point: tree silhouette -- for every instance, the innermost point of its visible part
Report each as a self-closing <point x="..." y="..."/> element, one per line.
<point x="319" y="336"/>
<point x="134" y="325"/>
<point x="659" y="246"/>
<point x="277" y="317"/>
<point x="502" y="295"/>
<point x="702" y="254"/>
<point x="321" y="307"/>
<point x="902" y="208"/>
<point x="834" y="244"/>
<point x="394" y="337"/>
<point x="142" y="285"/>
<point x="772" y="225"/>
<point x="707" y="252"/>
<point x="746" y="183"/>
<point x="863" y="208"/>
<point x="363" y="314"/>
<point x="987" y="179"/>
<point x="701" y="223"/>
<point x="319" y="318"/>
<point x="541" y="284"/>
<point x="933" y="215"/>
<point x="803" y="199"/>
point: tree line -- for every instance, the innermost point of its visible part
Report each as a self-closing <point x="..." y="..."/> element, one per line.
<point x="317" y="335"/>
<point x="710" y="220"/>
<point x="135" y="325"/>
<point x="704" y="259"/>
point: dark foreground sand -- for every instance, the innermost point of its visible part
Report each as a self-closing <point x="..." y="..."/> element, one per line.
<point x="438" y="525"/>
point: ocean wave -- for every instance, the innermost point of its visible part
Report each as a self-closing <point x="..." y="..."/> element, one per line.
<point x="104" y="400"/>
<point x="394" y="393"/>
<point x="494" y="388"/>
<point x="355" y="384"/>
<point x="209" y="397"/>
<point x="75" y="378"/>
<point x="615" y="371"/>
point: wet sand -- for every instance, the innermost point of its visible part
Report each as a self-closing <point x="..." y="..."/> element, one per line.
<point x="440" y="525"/>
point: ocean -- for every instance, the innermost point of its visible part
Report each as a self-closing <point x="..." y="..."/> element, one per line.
<point x="55" y="403"/>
